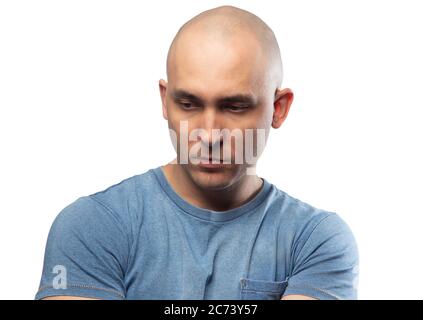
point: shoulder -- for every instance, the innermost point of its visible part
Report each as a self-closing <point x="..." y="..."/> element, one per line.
<point x="120" y="196"/>
<point x="115" y="207"/>
<point x="303" y="224"/>
<point x="125" y="198"/>
<point x="297" y="214"/>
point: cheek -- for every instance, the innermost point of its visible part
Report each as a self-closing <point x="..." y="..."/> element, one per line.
<point x="262" y="122"/>
<point x="265" y="118"/>
<point x="260" y="118"/>
<point x="174" y="118"/>
<point x="171" y="123"/>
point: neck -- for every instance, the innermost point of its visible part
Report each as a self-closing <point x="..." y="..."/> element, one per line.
<point x="237" y="194"/>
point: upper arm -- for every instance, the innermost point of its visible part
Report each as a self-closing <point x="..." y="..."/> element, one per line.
<point x="86" y="253"/>
<point x="326" y="262"/>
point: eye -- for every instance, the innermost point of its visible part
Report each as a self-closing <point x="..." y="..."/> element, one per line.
<point x="186" y="105"/>
<point x="236" y="108"/>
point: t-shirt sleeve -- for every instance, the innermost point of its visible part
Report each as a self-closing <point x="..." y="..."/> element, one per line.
<point x="326" y="266"/>
<point x="86" y="253"/>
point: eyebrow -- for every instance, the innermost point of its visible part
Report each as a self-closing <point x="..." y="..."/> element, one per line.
<point x="236" y="98"/>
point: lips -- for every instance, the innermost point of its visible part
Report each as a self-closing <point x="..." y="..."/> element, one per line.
<point x="210" y="160"/>
<point x="210" y="163"/>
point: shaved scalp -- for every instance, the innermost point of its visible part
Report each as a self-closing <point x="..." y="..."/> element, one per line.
<point x="224" y="24"/>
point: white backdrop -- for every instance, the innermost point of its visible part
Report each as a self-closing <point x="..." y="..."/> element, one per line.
<point x="80" y="111"/>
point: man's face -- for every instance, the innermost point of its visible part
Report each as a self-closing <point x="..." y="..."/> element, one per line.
<point x="213" y="87"/>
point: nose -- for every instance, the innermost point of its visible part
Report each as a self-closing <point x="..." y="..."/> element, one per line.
<point x="211" y="126"/>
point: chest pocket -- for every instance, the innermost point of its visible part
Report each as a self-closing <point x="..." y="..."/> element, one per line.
<point x="252" y="289"/>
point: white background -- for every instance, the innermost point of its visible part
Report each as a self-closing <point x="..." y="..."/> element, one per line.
<point x="80" y="111"/>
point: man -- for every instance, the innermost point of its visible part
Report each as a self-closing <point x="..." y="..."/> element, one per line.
<point x="205" y="226"/>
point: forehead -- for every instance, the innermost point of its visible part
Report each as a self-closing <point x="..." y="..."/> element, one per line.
<point x="216" y="66"/>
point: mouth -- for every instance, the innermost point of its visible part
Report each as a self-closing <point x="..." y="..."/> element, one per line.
<point x="211" y="163"/>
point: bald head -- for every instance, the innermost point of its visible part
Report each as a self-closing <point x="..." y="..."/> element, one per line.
<point x="229" y="30"/>
<point x="224" y="72"/>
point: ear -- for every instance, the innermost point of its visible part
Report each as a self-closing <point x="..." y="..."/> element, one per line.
<point x="163" y="88"/>
<point x="281" y="105"/>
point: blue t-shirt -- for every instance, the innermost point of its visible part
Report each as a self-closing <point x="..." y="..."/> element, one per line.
<point x="139" y="239"/>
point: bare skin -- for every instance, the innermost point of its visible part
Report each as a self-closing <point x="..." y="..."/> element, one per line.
<point x="221" y="52"/>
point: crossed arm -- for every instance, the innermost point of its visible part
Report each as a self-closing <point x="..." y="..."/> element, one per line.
<point x="287" y="297"/>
